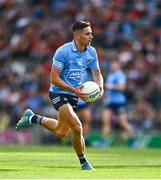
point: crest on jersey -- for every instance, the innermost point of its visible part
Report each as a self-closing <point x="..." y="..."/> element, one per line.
<point x="80" y="63"/>
<point x="89" y="61"/>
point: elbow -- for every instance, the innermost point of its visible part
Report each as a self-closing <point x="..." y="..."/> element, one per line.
<point x="122" y="89"/>
<point x="53" y="80"/>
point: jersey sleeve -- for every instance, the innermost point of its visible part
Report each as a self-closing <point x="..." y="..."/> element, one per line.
<point x="58" y="60"/>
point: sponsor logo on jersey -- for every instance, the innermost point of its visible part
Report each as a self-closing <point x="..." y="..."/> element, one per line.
<point x="75" y="73"/>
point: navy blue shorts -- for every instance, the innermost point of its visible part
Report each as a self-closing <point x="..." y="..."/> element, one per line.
<point x="82" y="106"/>
<point x="60" y="99"/>
<point x="117" y="108"/>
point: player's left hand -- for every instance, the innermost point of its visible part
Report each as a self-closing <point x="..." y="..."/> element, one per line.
<point x="101" y="92"/>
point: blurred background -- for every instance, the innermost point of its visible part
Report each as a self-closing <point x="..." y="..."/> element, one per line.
<point x="30" y="32"/>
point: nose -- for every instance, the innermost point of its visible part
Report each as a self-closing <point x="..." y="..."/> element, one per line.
<point x="91" y="37"/>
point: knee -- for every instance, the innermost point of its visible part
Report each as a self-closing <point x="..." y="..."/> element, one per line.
<point x="77" y="129"/>
<point x="88" y="120"/>
<point x="62" y="133"/>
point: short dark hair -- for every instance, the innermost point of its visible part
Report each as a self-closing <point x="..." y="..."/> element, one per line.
<point x="80" y="25"/>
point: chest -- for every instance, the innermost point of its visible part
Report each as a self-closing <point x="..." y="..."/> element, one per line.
<point x="78" y="61"/>
<point x="113" y="78"/>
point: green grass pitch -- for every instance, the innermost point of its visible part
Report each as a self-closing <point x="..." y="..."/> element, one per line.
<point x="60" y="162"/>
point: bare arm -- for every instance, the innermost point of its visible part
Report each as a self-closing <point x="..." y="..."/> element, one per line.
<point x="56" y="80"/>
<point x="98" y="79"/>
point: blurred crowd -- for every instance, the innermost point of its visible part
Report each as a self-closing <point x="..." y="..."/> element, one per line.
<point x="126" y="30"/>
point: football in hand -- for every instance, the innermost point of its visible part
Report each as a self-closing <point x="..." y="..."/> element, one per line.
<point x="92" y="90"/>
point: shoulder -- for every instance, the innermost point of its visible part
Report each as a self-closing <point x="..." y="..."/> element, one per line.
<point x="63" y="50"/>
<point x="65" y="47"/>
<point x="121" y="74"/>
<point x="91" y="50"/>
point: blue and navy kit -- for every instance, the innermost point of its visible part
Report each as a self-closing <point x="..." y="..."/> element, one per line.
<point x="73" y="65"/>
<point x="116" y="96"/>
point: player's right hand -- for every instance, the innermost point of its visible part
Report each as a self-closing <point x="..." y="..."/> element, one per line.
<point x="79" y="93"/>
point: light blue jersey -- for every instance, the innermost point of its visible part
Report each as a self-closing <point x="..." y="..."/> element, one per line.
<point x="73" y="64"/>
<point x="116" y="96"/>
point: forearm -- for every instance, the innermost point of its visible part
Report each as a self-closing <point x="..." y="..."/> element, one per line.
<point x="60" y="83"/>
<point x="98" y="78"/>
<point x="99" y="81"/>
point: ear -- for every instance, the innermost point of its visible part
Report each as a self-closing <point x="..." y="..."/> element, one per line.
<point x="76" y="35"/>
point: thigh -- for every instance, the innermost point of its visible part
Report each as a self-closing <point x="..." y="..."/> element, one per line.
<point x="107" y="116"/>
<point x="122" y="119"/>
<point x="67" y="113"/>
<point x="62" y="124"/>
<point x="85" y="114"/>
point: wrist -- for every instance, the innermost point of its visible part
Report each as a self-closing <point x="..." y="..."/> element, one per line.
<point x="70" y="88"/>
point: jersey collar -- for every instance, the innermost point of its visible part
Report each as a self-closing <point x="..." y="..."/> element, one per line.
<point x="74" y="48"/>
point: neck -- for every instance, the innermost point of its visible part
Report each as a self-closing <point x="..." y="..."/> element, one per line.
<point x="79" y="46"/>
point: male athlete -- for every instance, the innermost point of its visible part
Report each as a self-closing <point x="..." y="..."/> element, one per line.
<point x="116" y="101"/>
<point x="68" y="67"/>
